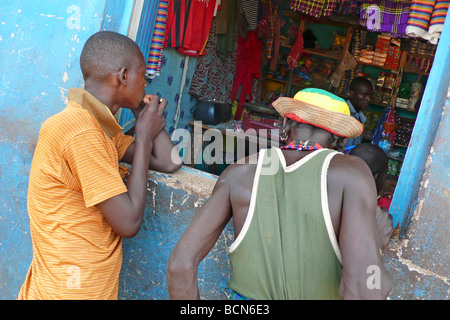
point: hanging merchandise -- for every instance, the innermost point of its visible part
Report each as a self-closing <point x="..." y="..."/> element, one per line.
<point x="350" y="7"/>
<point x="348" y="62"/>
<point x="247" y="69"/>
<point x="314" y="8"/>
<point x="189" y="24"/>
<point x="224" y="23"/>
<point x="214" y="73"/>
<point x="426" y="19"/>
<point x="296" y="52"/>
<point x="251" y="10"/>
<point x="385" y="16"/>
<point x="157" y="43"/>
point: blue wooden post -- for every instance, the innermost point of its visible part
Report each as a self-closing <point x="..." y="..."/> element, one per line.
<point x="405" y="196"/>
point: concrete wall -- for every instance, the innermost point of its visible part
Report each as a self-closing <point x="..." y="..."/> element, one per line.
<point x="40" y="45"/>
<point x="172" y="201"/>
<point x="420" y="261"/>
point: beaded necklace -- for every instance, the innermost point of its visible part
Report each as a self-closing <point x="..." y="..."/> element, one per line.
<point x="302" y="146"/>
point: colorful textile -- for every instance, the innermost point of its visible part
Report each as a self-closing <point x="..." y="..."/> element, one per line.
<point x="302" y="146"/>
<point x="156" y="47"/>
<point x="188" y="25"/>
<point x="438" y="17"/>
<point x="419" y="18"/>
<point x="426" y="19"/>
<point x="214" y="73"/>
<point x="314" y="8"/>
<point x="385" y="16"/>
<point x="351" y="7"/>
<point x="296" y="52"/>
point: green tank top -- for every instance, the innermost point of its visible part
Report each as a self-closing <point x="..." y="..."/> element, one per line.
<point x="287" y="248"/>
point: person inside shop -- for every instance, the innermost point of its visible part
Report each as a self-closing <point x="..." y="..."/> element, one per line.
<point x="303" y="214"/>
<point x="360" y="95"/>
<point x="377" y="161"/>
<point x="78" y="204"/>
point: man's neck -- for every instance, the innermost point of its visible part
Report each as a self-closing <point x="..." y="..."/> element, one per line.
<point x="104" y="94"/>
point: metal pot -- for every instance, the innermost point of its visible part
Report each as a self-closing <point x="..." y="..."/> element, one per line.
<point x="212" y="111"/>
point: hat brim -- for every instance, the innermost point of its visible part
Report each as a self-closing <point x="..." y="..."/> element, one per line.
<point x="335" y="122"/>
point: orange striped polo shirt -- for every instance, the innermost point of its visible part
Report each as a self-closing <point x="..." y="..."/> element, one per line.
<point x="76" y="254"/>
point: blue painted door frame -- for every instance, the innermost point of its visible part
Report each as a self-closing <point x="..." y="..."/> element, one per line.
<point x="405" y="197"/>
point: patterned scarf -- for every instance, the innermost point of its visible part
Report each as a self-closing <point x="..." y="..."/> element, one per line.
<point x="302" y="146"/>
<point x="314" y="8"/>
<point x="385" y="16"/>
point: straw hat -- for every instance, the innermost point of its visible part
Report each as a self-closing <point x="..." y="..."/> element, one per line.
<point x="321" y="109"/>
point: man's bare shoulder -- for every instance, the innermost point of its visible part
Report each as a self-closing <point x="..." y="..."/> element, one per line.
<point x="346" y="164"/>
<point x="241" y="170"/>
<point x="346" y="170"/>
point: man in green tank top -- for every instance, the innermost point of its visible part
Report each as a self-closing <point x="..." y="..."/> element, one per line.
<point x="303" y="214"/>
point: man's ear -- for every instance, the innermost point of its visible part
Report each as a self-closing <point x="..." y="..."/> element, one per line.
<point x="123" y="75"/>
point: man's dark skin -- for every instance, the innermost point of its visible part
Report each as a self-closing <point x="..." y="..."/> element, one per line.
<point x="151" y="149"/>
<point x="360" y="95"/>
<point x="352" y="209"/>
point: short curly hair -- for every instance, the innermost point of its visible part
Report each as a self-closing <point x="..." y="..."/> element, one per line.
<point x="106" y="52"/>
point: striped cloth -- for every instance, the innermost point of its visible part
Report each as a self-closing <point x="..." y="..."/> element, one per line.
<point x="157" y="43"/>
<point x="314" y="8"/>
<point x="419" y="18"/>
<point x="385" y="16"/>
<point x="437" y="20"/>
<point x="76" y="254"/>
<point x="251" y="10"/>
<point x="426" y="19"/>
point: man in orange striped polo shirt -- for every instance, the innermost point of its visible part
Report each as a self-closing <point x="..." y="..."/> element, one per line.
<point x="78" y="204"/>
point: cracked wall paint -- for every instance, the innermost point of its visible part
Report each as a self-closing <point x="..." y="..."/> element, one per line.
<point x="40" y="62"/>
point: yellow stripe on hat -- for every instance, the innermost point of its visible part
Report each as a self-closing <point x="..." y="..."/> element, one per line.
<point x="323" y="99"/>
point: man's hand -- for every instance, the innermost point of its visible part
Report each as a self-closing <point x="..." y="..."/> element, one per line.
<point x="149" y="117"/>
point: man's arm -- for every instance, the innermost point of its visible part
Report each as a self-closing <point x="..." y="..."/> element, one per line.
<point x="198" y="239"/>
<point x="164" y="156"/>
<point x="363" y="273"/>
<point x="125" y="211"/>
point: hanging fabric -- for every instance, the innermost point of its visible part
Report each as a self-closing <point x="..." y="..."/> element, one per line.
<point x="296" y="52"/>
<point x="247" y="69"/>
<point x="214" y="71"/>
<point x="157" y="42"/>
<point x="251" y="10"/>
<point x="426" y="19"/>
<point x="314" y="8"/>
<point x="188" y="25"/>
<point x="146" y="25"/>
<point x="225" y="22"/>
<point x="386" y="16"/>
<point x="437" y="20"/>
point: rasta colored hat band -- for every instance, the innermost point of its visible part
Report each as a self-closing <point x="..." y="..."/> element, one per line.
<point x="321" y="109"/>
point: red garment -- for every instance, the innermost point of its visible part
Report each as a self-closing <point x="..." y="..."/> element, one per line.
<point x="189" y="23"/>
<point x="247" y="68"/>
<point x="296" y="52"/>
